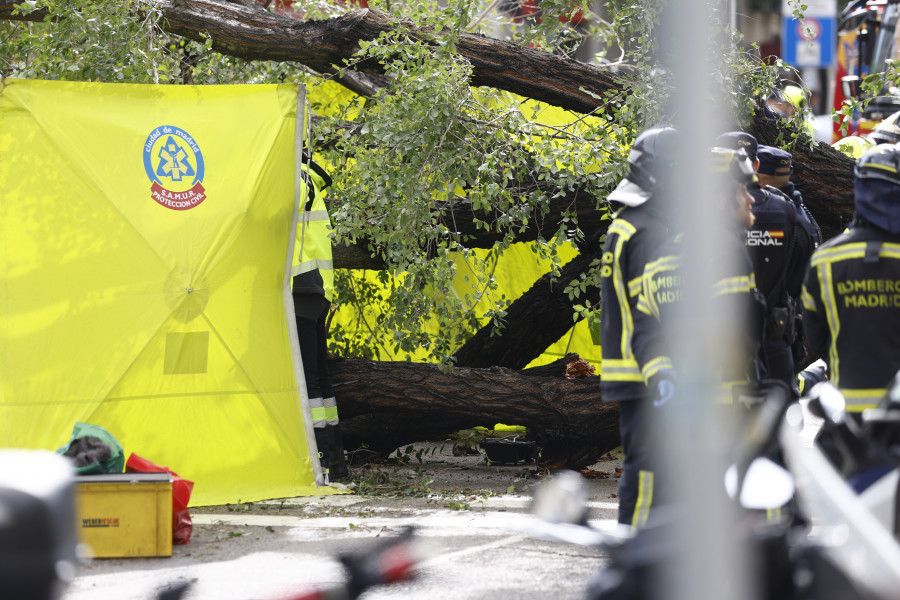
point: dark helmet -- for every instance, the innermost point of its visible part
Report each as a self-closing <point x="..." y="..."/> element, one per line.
<point x="735" y="165"/>
<point x="886" y="132"/>
<point x="736" y="140"/>
<point x="877" y="186"/>
<point x="653" y="158"/>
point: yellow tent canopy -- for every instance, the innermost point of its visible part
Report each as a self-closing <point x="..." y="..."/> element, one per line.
<point x="146" y="237"/>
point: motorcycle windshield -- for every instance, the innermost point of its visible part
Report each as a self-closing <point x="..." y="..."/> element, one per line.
<point x="846" y="528"/>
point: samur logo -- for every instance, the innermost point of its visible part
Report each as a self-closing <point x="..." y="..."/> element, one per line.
<point x="174" y="164"/>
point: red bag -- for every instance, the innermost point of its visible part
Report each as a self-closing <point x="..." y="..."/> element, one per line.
<point x="181" y="495"/>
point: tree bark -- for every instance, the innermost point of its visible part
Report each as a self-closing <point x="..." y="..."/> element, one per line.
<point x="824" y="176"/>
<point x="252" y="33"/>
<point x="386" y="405"/>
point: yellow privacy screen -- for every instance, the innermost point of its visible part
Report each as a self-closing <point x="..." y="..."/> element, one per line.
<point x="145" y="234"/>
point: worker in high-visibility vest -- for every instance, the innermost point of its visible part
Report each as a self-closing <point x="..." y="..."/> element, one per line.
<point x="313" y="289"/>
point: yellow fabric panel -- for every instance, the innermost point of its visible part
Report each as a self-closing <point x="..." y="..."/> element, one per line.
<point x="515" y="273"/>
<point x="101" y="280"/>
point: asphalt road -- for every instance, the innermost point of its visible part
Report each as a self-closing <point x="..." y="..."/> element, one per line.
<point x="469" y="516"/>
<point x="469" y="536"/>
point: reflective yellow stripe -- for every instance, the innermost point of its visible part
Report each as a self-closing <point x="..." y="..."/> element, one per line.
<point x="854" y="250"/>
<point x="644" y="499"/>
<point x="860" y="399"/>
<point x="612" y="369"/>
<point x="312" y="265"/>
<point x="733" y="285"/>
<point x="666" y="263"/>
<point x="331" y="411"/>
<point x="653" y="366"/>
<point x="314" y="215"/>
<point x="809" y="303"/>
<point x="831" y="316"/>
<point x="621" y="294"/>
<point x="830" y="255"/>
<point x="644" y="306"/>
<point x="634" y="286"/>
<point x="318" y="417"/>
<point x="622" y="228"/>
<point x="317" y="411"/>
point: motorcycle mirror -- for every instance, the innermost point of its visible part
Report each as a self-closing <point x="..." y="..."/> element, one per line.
<point x="561" y="499"/>
<point x="766" y="485"/>
<point x="827" y="402"/>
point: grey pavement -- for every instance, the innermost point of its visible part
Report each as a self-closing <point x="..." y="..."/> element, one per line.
<point x="469" y="537"/>
<point x="469" y="531"/>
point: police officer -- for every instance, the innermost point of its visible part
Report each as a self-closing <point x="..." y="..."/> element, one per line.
<point x="312" y="288"/>
<point x="775" y="170"/>
<point x="638" y="228"/>
<point x="851" y="296"/>
<point x="779" y="247"/>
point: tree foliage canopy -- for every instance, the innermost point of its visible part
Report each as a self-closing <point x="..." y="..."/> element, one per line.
<point x="439" y="125"/>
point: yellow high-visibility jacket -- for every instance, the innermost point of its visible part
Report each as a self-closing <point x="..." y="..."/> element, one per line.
<point x="312" y="269"/>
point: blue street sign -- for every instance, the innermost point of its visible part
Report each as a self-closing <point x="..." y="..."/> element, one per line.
<point x="808" y="43"/>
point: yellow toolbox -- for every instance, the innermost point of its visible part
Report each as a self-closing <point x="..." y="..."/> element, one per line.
<point x="125" y="514"/>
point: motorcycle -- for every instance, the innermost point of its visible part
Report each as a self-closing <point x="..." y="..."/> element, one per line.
<point x="827" y="544"/>
<point x="390" y="561"/>
<point x="864" y="448"/>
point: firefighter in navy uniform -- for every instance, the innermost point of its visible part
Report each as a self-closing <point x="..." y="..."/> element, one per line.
<point x="779" y="247"/>
<point x="734" y="291"/>
<point x="851" y="296"/>
<point x="737" y="315"/>
<point x="638" y="228"/>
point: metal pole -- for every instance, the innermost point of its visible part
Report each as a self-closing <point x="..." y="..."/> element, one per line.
<point x="709" y="567"/>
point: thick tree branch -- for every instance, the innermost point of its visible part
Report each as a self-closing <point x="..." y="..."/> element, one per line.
<point x="251" y="33"/>
<point x="385" y="405"/>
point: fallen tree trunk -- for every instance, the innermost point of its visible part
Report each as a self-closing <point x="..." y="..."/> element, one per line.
<point x="386" y="405"/>
<point x="249" y="32"/>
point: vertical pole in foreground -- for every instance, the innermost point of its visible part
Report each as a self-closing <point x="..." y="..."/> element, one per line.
<point x="300" y="135"/>
<point x="707" y="566"/>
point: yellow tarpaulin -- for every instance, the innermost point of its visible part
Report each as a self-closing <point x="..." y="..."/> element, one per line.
<point x="145" y="237"/>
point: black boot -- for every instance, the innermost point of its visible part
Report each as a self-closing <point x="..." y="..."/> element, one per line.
<point x="323" y="446"/>
<point x="336" y="464"/>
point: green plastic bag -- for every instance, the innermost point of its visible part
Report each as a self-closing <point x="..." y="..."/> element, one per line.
<point x="94" y="450"/>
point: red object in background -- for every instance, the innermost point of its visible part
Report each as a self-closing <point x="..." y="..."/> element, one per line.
<point x="181" y="495"/>
<point x="286" y="7"/>
<point x="575" y="18"/>
<point x="528" y="9"/>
